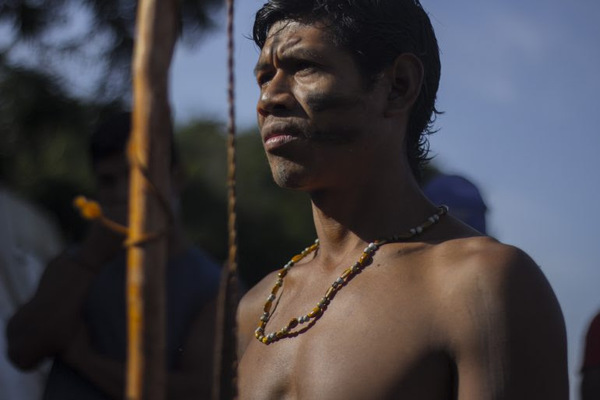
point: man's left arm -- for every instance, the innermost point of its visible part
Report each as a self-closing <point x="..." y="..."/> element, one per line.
<point x="509" y="340"/>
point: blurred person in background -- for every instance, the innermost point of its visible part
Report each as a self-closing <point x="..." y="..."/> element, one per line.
<point x="28" y="240"/>
<point x="462" y="197"/>
<point x="77" y="316"/>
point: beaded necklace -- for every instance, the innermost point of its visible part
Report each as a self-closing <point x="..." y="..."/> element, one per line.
<point x="365" y="259"/>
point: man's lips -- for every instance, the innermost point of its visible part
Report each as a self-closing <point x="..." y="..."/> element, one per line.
<point x="278" y="139"/>
<point x="277" y="136"/>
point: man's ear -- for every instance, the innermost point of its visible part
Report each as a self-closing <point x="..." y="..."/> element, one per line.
<point x="406" y="75"/>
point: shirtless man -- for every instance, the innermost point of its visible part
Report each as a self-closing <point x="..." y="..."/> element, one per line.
<point x="347" y="91"/>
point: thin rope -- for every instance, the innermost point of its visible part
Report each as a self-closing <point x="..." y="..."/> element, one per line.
<point x="231" y="149"/>
<point x="225" y="371"/>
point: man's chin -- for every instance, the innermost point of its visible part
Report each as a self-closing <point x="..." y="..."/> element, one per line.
<point x="290" y="177"/>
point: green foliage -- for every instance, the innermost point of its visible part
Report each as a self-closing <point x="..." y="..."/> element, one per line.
<point x="44" y="123"/>
<point x="44" y="130"/>
<point x="273" y="224"/>
<point x="97" y="35"/>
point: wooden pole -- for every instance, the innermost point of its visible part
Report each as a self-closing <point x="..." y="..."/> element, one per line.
<point x="149" y="152"/>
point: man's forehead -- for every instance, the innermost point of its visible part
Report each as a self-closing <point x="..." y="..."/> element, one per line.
<point x="286" y="35"/>
<point x="283" y="35"/>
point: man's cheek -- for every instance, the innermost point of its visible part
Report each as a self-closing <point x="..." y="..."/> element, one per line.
<point x="320" y="102"/>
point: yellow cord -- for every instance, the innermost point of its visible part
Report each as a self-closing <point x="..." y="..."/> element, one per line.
<point x="91" y="210"/>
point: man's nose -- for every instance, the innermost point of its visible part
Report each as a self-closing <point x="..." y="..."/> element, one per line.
<point x="275" y="96"/>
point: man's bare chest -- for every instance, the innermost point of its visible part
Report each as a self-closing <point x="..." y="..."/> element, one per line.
<point x="364" y="346"/>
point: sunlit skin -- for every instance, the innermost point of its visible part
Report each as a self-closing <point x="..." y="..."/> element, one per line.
<point x="312" y="110"/>
<point x="449" y="315"/>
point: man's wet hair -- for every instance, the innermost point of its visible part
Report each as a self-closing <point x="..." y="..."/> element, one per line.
<point x="111" y="137"/>
<point x="375" y="32"/>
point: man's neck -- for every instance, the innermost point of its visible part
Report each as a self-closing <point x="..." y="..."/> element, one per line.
<point x="346" y="219"/>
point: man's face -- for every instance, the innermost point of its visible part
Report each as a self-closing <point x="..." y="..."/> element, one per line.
<point x="316" y="113"/>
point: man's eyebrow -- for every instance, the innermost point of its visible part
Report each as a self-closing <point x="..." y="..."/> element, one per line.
<point x="291" y="53"/>
<point x="260" y="66"/>
<point x="301" y="52"/>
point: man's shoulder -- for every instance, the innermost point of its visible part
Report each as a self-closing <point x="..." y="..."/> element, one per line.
<point x="489" y="283"/>
<point x="255" y="298"/>
<point x="498" y="316"/>
<point x="480" y="260"/>
<point x="481" y="273"/>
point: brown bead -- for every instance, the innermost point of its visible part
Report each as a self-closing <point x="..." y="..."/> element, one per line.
<point x="297" y="258"/>
<point x="268" y="306"/>
<point x="292" y="324"/>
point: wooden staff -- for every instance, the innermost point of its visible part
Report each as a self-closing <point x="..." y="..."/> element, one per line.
<point x="149" y="153"/>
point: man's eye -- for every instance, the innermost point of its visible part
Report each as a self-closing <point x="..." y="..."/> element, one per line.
<point x="264" y="78"/>
<point x="305" y="67"/>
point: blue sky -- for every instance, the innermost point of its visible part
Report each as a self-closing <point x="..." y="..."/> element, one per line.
<point x="520" y="85"/>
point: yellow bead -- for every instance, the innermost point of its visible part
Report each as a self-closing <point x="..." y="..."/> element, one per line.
<point x="330" y="292"/>
<point x="315" y="311"/>
<point x="297" y="258"/>
<point x="363" y="258"/>
<point x="346" y="273"/>
<point x="264" y="340"/>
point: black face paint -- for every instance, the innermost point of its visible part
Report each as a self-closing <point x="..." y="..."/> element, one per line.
<point x="321" y="102"/>
<point x="330" y="102"/>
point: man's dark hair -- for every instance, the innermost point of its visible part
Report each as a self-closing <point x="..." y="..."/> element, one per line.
<point x="375" y="32"/>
